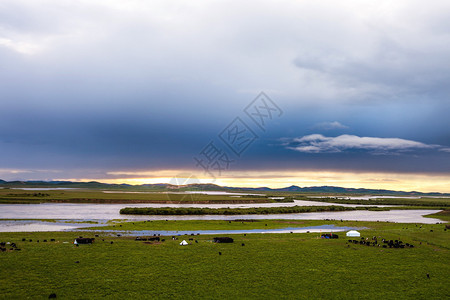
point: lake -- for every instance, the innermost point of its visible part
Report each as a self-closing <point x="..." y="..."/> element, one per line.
<point x="103" y="212"/>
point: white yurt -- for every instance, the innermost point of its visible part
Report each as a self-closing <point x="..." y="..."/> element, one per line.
<point x="353" y="233"/>
<point x="183" y="243"/>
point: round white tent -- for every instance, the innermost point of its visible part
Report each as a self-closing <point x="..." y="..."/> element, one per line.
<point x="183" y="243"/>
<point x="353" y="233"/>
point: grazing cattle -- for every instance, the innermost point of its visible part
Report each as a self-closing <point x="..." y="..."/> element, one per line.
<point x="220" y="253"/>
<point x="2" y="249"/>
<point x="112" y="242"/>
<point x="2" y="244"/>
<point x="24" y="239"/>
<point x="31" y="240"/>
<point x="428" y="276"/>
<point x="223" y="240"/>
<point x="329" y="236"/>
<point x="45" y="241"/>
<point x="163" y="240"/>
<point x="191" y="239"/>
<point x="52" y="240"/>
<point x="84" y="241"/>
<point x="52" y="296"/>
<point x="242" y="244"/>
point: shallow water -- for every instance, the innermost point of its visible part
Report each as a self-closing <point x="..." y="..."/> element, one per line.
<point x="111" y="211"/>
<point x="396" y="216"/>
<point x="32" y="225"/>
<point x="321" y="228"/>
<point x="104" y="212"/>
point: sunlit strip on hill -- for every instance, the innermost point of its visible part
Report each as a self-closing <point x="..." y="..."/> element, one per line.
<point x="279" y="179"/>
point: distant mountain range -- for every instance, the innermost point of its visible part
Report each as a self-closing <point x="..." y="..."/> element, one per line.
<point x="163" y="187"/>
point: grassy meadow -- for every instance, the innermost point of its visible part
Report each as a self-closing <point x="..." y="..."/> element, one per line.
<point x="268" y="266"/>
<point x="16" y="196"/>
<point x="420" y="202"/>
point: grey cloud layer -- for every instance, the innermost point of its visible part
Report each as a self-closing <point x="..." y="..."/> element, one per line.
<point x="145" y="84"/>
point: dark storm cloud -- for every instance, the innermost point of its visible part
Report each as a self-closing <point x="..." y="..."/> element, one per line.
<point x="102" y="86"/>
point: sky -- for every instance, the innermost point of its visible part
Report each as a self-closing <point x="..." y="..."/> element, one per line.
<point x="254" y="93"/>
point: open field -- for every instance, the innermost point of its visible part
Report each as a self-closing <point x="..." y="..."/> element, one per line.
<point x="443" y="215"/>
<point x="294" y="266"/>
<point x="15" y="196"/>
<point x="239" y="224"/>
<point x="423" y="201"/>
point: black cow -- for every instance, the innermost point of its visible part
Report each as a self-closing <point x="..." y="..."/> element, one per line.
<point x="223" y="240"/>
<point x="84" y="241"/>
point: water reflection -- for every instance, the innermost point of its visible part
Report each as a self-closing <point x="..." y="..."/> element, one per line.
<point x="111" y="211"/>
<point x="104" y="212"/>
<point x="321" y="228"/>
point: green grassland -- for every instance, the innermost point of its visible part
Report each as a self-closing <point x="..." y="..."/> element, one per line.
<point x="269" y="266"/>
<point x="213" y="224"/>
<point x="13" y="196"/>
<point x="443" y="215"/>
<point x="239" y="224"/>
<point x="16" y="196"/>
<point x="423" y="201"/>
